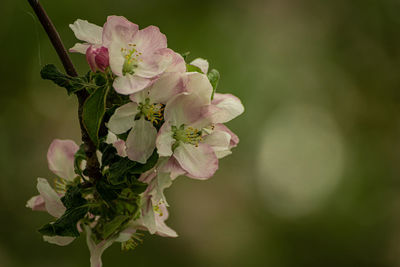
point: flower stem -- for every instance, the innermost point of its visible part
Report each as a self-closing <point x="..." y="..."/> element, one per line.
<point x="93" y="166"/>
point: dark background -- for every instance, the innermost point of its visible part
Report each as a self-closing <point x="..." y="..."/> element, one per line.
<point x="315" y="178"/>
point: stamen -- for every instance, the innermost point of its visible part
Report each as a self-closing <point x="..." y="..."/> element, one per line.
<point x="131" y="58"/>
<point x="60" y="185"/>
<point x="188" y="135"/>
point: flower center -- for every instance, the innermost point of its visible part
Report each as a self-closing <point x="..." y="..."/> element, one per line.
<point x="153" y="112"/>
<point x="131" y="59"/>
<point x="188" y="135"/>
<point x="157" y="210"/>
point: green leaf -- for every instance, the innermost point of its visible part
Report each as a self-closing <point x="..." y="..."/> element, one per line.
<point x="141" y="168"/>
<point x="213" y="76"/>
<point x="107" y="191"/>
<point x="76" y="210"/>
<point x="192" y="68"/>
<point x="73" y="197"/>
<point x="111" y="227"/>
<point x="109" y="154"/>
<point x="118" y="171"/>
<point x="93" y="112"/>
<point x="66" y="224"/>
<point x="72" y="84"/>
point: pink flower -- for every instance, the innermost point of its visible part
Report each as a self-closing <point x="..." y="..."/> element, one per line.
<point x="91" y="34"/>
<point x="60" y="157"/>
<point x="137" y="57"/>
<point x="182" y="134"/>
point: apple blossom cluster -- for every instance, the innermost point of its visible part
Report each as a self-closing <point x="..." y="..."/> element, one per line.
<point x="152" y="117"/>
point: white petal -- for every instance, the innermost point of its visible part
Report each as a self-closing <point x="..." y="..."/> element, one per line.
<point x="165" y="140"/>
<point x="200" y="162"/>
<point x="125" y="235"/>
<point x="59" y="240"/>
<point x="199" y="85"/>
<point x="162" y="182"/>
<point x="79" y="48"/>
<point x="60" y="157"/>
<point x="130" y="84"/>
<point x="53" y="204"/>
<point x="116" y="56"/>
<point x="141" y="141"/>
<point x="219" y="141"/>
<point x="123" y="118"/>
<point x="148" y="216"/>
<point x="227" y="106"/>
<point x="166" y="87"/>
<point x="87" y="31"/>
<point x="201" y="63"/>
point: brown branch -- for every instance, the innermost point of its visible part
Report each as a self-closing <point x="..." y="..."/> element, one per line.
<point x="92" y="166"/>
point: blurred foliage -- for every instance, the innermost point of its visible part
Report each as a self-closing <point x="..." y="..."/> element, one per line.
<point x="342" y="57"/>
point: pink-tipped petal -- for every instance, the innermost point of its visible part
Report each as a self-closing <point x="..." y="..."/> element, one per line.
<point x="118" y="28"/>
<point x="200" y="162"/>
<point x="123" y="118"/>
<point x="53" y="204"/>
<point x="227" y="107"/>
<point x="59" y="240"/>
<point x="149" y="40"/>
<point x="130" y="84"/>
<point x="220" y="142"/>
<point x="185" y="109"/>
<point x="141" y="141"/>
<point x="178" y="64"/>
<point x="234" y="138"/>
<point x="36" y="203"/>
<point x="173" y="168"/>
<point x="165" y="140"/>
<point x="120" y="146"/>
<point x="201" y="63"/>
<point x="86" y="31"/>
<point x="60" y="157"/>
<point x="155" y="63"/>
<point x="166" y="87"/>
<point x="162" y="229"/>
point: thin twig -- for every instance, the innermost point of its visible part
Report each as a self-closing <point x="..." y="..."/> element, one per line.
<point x="92" y="166"/>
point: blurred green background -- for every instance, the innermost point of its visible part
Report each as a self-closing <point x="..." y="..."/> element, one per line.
<point x="315" y="178"/>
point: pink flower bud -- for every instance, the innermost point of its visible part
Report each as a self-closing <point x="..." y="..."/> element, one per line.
<point x="97" y="57"/>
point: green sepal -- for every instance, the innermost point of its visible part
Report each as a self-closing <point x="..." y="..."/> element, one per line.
<point x="72" y="84"/>
<point x="213" y="76"/>
<point x="79" y="156"/>
<point x="192" y="68"/>
<point x="94" y="109"/>
<point x="185" y="55"/>
<point x="114" y="225"/>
